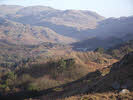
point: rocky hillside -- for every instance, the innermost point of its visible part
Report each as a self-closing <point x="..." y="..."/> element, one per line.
<point x="72" y="23"/>
<point x="96" y="42"/>
<point x="115" y="81"/>
<point x="108" y="33"/>
<point x="63" y="22"/>
<point x="42" y="14"/>
<point x="117" y="27"/>
<point x="9" y="9"/>
<point x="18" y="33"/>
<point x="120" y="50"/>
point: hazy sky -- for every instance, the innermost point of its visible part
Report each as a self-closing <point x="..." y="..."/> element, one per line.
<point x="107" y="8"/>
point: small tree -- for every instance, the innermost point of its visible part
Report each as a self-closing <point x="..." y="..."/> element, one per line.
<point x="11" y="76"/>
<point x="10" y="79"/>
<point x="100" y="50"/>
<point x="61" y="65"/>
<point x="128" y="50"/>
<point x="32" y="87"/>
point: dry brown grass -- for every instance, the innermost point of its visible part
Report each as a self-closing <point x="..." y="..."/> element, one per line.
<point x="92" y="60"/>
<point x="102" y="96"/>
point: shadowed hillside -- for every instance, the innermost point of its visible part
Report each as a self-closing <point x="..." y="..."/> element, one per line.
<point x="99" y="86"/>
<point x="51" y="54"/>
<point x="108" y="33"/>
<point x="51" y="72"/>
<point x="108" y="81"/>
<point x="122" y="49"/>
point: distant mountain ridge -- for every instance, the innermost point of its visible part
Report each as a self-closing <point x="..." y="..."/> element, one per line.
<point x="48" y="14"/>
<point x="64" y="22"/>
<point x="75" y="25"/>
<point x="108" y="33"/>
<point x="9" y="9"/>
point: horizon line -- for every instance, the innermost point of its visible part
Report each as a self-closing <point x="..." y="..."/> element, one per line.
<point x="64" y="9"/>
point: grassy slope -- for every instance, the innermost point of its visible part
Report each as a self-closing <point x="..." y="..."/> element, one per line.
<point x="99" y="85"/>
<point x="46" y="75"/>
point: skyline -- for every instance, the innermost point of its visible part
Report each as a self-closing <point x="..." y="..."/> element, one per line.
<point x="105" y="8"/>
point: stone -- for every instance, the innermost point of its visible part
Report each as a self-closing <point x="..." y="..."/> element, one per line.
<point x="124" y="91"/>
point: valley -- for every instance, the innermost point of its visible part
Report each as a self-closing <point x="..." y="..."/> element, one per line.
<point x="51" y="54"/>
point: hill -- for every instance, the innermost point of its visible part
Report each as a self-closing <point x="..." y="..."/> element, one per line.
<point x="17" y="55"/>
<point x="42" y="73"/>
<point x="72" y="23"/>
<point x="18" y="33"/>
<point x="63" y="22"/>
<point x="117" y="27"/>
<point x="120" y="50"/>
<point x="96" y="42"/>
<point x="108" y="33"/>
<point x="58" y="17"/>
<point x="9" y="9"/>
<point x="106" y="83"/>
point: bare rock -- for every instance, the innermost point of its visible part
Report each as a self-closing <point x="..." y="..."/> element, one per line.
<point x="124" y="91"/>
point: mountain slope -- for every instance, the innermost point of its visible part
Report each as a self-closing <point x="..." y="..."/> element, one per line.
<point x="108" y="81"/>
<point x="86" y="19"/>
<point x="64" y="22"/>
<point x="108" y="33"/>
<point x="70" y="23"/>
<point x="96" y="42"/>
<point x="9" y="9"/>
<point x="120" y="50"/>
<point x="117" y="27"/>
<point x="60" y="17"/>
<point x="26" y="34"/>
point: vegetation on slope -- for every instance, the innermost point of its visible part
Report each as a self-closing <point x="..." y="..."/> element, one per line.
<point x="112" y="85"/>
<point x="53" y="72"/>
<point x="18" y="33"/>
<point x="120" y="50"/>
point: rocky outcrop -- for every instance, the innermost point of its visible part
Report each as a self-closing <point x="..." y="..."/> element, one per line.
<point x="124" y="91"/>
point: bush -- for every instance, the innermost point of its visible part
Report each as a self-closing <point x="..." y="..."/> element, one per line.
<point x="100" y="50"/>
<point x="61" y="65"/>
<point x="64" y="64"/>
<point x="3" y="86"/>
<point x="32" y="87"/>
<point x="10" y="79"/>
<point x="11" y="76"/>
<point x="7" y="89"/>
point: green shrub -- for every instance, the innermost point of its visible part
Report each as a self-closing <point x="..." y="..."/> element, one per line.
<point x="61" y="65"/>
<point x="58" y="89"/>
<point x="32" y="87"/>
<point x="100" y="50"/>
<point x="3" y="86"/>
<point x="11" y="76"/>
